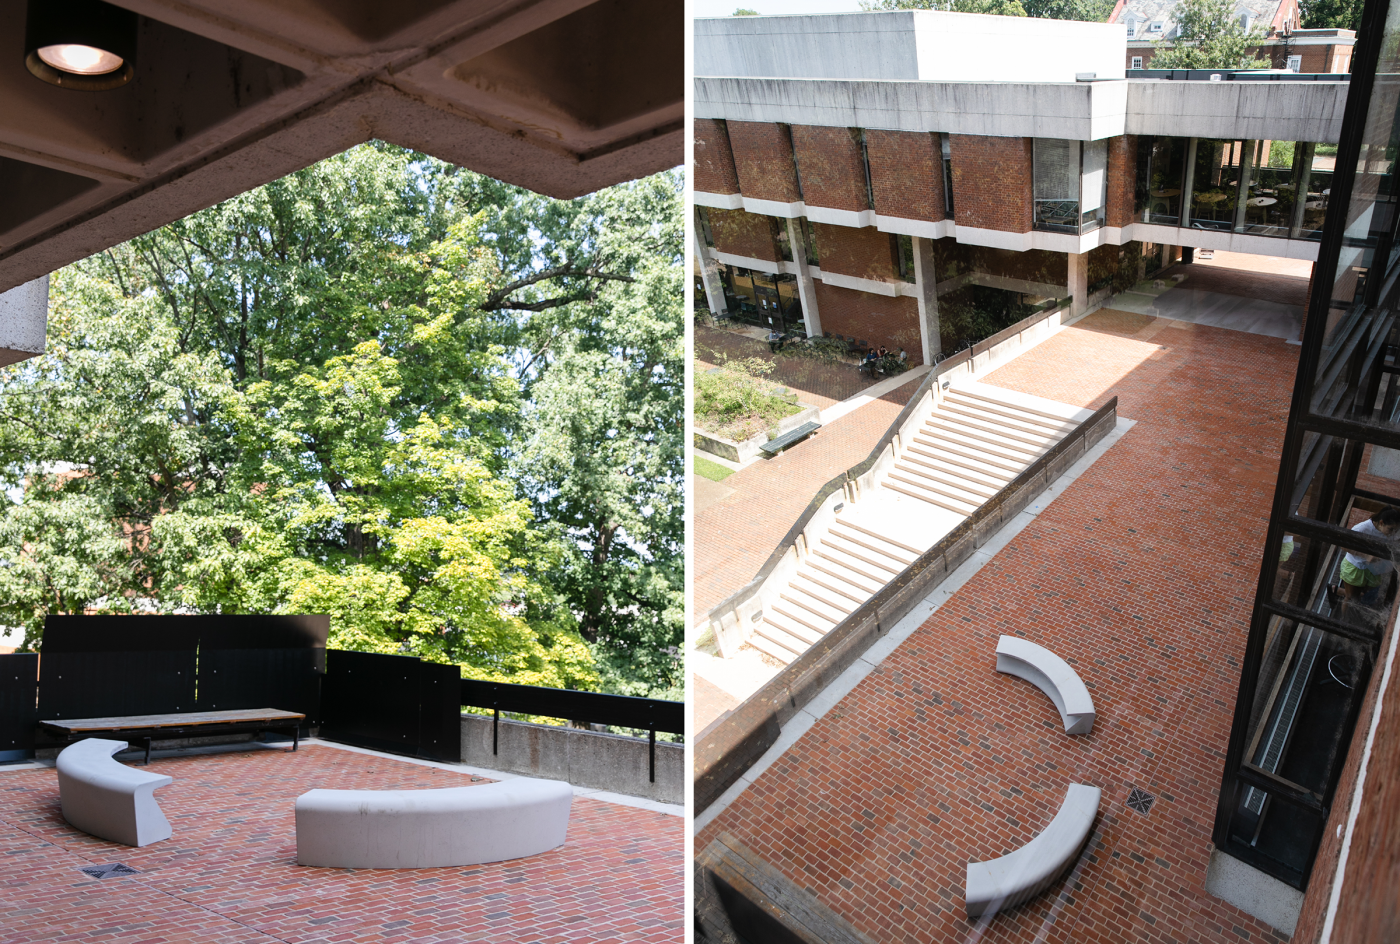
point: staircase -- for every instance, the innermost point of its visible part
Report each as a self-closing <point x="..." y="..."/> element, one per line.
<point x="973" y="442"/>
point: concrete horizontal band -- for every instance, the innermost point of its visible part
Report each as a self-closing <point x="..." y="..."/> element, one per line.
<point x="1086" y="111"/>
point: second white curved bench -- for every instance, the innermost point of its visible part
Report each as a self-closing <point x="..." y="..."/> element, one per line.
<point x="419" y="829"/>
<point x="110" y="800"/>
<point x="1019" y="876"/>
<point x="1053" y="676"/>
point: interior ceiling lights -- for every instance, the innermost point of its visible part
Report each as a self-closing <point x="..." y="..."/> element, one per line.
<point x="80" y="44"/>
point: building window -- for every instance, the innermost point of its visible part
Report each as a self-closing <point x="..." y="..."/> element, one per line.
<point x="1137" y="62"/>
<point x="902" y="248"/>
<point x="1056" y="185"/>
<point x="1161" y="178"/>
<point x="780" y="238"/>
<point x="1155" y="27"/>
<point x="702" y="222"/>
<point x="859" y="135"/>
<point x="1295" y="63"/>
<point x="947" y="149"/>
<point x="809" y="236"/>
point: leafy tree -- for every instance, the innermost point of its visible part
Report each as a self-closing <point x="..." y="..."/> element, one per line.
<point x="322" y="396"/>
<point x="744" y="11"/>
<point x="1092" y="11"/>
<point x="1331" y="14"/>
<point x="1210" y="36"/>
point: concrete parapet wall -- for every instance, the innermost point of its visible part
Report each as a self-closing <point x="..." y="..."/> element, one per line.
<point x="583" y="758"/>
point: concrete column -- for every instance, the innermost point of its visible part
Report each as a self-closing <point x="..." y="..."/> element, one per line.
<point x="806" y="287"/>
<point x="709" y="274"/>
<point x="1078" y="282"/>
<point x="926" y="281"/>
<point x="24" y="321"/>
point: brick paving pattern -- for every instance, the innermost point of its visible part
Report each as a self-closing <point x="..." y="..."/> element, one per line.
<point x="1141" y="575"/>
<point x="230" y="873"/>
<point x="1269" y="287"/>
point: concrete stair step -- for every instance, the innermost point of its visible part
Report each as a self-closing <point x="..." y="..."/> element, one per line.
<point x="933" y="498"/>
<point x="1010" y="409"/>
<point x="767" y="647"/>
<point x="799" y="597"/>
<point x="998" y="431"/>
<point x="916" y="476"/>
<point x="1013" y="452"/>
<point x="1033" y="425"/>
<point x="856" y="562"/>
<point x="802" y="617"/>
<point x="978" y="471"/>
<point x="779" y="637"/>
<point x="946" y="443"/>
<point x="845" y="577"/>
<point x="826" y="590"/>
<point x="903" y="552"/>
<point x="793" y="627"/>
<point x="959" y="478"/>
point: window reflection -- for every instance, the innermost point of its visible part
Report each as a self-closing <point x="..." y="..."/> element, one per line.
<point x="1215" y="183"/>
<point x="1161" y="171"/>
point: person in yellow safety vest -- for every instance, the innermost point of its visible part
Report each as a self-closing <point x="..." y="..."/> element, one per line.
<point x="1363" y="575"/>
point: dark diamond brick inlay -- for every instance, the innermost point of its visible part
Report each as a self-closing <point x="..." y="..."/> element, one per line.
<point x="107" y="871"/>
<point x="1141" y="800"/>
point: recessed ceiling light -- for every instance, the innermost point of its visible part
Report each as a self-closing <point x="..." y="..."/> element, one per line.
<point x="80" y="44"/>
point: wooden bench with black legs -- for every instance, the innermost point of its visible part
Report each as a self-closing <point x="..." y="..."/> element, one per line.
<point x="790" y="438"/>
<point x="148" y="728"/>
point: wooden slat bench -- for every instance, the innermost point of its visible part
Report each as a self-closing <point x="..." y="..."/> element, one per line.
<point x="150" y="728"/>
<point x="791" y="438"/>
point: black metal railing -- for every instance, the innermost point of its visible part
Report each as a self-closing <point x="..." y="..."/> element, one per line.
<point x="618" y="711"/>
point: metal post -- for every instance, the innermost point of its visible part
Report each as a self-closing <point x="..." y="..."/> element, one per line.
<point x="495" y="730"/>
<point x="651" y="735"/>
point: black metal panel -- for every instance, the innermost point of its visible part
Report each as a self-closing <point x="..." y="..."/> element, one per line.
<point x="439" y="712"/>
<point x="110" y="684"/>
<point x="120" y="633"/>
<point x="584" y="707"/>
<point x="287" y="679"/>
<point x="19" y="684"/>
<point x="263" y="632"/>
<point x="371" y="700"/>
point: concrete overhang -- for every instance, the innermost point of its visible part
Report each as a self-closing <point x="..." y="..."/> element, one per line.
<point x="560" y="96"/>
<point x="1085" y="111"/>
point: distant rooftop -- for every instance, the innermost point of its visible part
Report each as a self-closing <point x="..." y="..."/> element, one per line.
<point x="908" y="45"/>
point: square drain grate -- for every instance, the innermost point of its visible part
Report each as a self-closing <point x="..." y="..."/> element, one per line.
<point x="107" y="871"/>
<point x="1141" y="800"/>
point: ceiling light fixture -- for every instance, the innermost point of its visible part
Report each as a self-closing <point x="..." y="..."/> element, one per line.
<point x="80" y="44"/>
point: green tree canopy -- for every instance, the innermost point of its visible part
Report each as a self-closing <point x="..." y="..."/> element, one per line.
<point x="357" y="390"/>
<point x="1331" y="14"/>
<point x="1091" y="10"/>
<point x="1210" y="36"/>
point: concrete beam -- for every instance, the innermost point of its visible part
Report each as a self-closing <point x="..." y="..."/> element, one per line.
<point x="24" y="320"/>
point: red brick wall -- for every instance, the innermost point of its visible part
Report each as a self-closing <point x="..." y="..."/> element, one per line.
<point x="1315" y="58"/>
<point x="743" y="234"/>
<point x="763" y="160"/>
<point x="1033" y="265"/>
<point x="992" y="182"/>
<point x="876" y="319"/>
<point x="714" y="158"/>
<point x="906" y="173"/>
<point x="831" y="167"/>
<point x="1122" y="178"/>
<point x="864" y="253"/>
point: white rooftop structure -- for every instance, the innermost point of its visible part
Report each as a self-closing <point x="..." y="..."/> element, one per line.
<point x="909" y="45"/>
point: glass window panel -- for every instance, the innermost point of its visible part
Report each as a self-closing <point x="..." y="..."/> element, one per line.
<point x="1166" y="167"/>
<point x="1281" y="831"/>
<point x="1056" y="182"/>
<point x="1271" y="193"/>
<point x="1215" y="181"/>
<point x="1319" y="161"/>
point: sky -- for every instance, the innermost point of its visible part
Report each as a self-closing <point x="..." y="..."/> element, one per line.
<point x="772" y="7"/>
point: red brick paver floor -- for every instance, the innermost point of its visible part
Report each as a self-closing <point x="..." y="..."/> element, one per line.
<point x="229" y="874"/>
<point x="1141" y="574"/>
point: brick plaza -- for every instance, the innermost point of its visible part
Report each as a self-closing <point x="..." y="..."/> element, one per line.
<point x="1141" y="574"/>
<point x="229" y="874"/>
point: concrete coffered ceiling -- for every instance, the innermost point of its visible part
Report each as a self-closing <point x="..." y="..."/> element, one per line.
<point x="561" y="96"/>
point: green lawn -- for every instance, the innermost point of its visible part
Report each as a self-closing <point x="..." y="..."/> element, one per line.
<point x="711" y="470"/>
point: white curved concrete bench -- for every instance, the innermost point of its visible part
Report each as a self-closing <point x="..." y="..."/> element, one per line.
<point x="110" y="800"/>
<point x="420" y="829"/>
<point x="1053" y="676"/>
<point x="998" y="884"/>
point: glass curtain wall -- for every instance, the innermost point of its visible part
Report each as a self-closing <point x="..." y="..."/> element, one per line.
<point x="1327" y="586"/>
<point x="1161" y="171"/>
<point x="1056" y="185"/>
